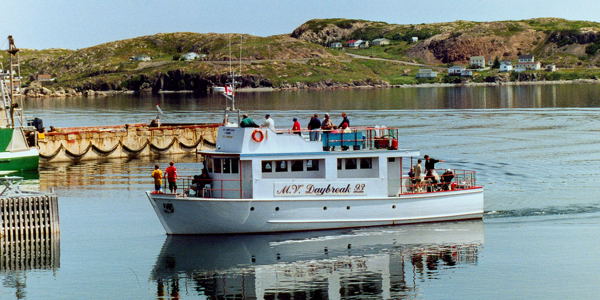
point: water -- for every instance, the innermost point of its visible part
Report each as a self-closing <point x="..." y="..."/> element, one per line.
<point x="534" y="148"/>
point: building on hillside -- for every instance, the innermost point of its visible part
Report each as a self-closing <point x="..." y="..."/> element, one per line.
<point x="414" y="39"/>
<point x="353" y="43"/>
<point x="466" y="73"/>
<point x="335" y="45"/>
<point x="381" y="42"/>
<point x="528" y="58"/>
<point x="426" y="73"/>
<point x="455" y="70"/>
<point x="363" y="44"/>
<point x="190" y="56"/>
<point x="44" y="77"/>
<point x="477" y="61"/>
<point x="140" y="58"/>
<point x="551" y="68"/>
<point x="506" y="66"/>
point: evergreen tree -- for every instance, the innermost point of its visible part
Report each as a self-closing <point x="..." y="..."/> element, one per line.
<point x="496" y="64"/>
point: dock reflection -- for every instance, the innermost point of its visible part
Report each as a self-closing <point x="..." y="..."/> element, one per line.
<point x="383" y="262"/>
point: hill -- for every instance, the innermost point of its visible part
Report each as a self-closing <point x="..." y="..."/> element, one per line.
<point x="302" y="58"/>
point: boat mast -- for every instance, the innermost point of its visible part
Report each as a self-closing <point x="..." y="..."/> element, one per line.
<point x="13" y="60"/>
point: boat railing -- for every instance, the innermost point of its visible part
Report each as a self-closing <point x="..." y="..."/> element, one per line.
<point x="351" y="138"/>
<point x="188" y="186"/>
<point x="439" y="181"/>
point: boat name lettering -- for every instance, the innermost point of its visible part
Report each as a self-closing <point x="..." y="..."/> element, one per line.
<point x="318" y="190"/>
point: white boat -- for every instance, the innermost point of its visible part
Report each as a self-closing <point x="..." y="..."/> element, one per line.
<point x="267" y="181"/>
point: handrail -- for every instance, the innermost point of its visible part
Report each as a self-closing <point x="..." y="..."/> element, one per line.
<point x="187" y="186"/>
<point x="357" y="138"/>
<point x="462" y="180"/>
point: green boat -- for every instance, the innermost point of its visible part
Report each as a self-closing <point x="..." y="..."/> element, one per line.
<point x="16" y="154"/>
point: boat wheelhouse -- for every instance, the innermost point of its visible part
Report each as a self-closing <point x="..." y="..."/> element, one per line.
<point x="273" y="181"/>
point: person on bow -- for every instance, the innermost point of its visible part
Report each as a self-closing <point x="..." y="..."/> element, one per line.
<point x="171" y="175"/>
<point x="157" y="174"/>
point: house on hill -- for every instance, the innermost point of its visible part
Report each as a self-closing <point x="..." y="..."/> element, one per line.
<point x="140" y="58"/>
<point x="527" y="63"/>
<point x="551" y="68"/>
<point x="44" y="77"/>
<point x="381" y="42"/>
<point x="190" y="56"/>
<point x="414" y="39"/>
<point x="455" y="70"/>
<point x="426" y="73"/>
<point x="335" y="45"/>
<point x="357" y="44"/>
<point x="477" y="61"/>
<point x="506" y="66"/>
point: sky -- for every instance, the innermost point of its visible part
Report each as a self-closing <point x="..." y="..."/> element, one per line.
<point x="75" y="24"/>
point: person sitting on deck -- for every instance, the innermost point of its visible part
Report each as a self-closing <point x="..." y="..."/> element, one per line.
<point x="447" y="179"/>
<point x="345" y="121"/>
<point x="247" y="122"/>
<point x="200" y="181"/>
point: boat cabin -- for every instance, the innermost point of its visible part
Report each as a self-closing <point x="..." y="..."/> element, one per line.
<point x="259" y="163"/>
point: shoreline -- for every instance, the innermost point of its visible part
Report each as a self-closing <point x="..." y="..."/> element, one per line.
<point x="91" y="93"/>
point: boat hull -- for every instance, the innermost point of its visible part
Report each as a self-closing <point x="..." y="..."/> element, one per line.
<point x="19" y="160"/>
<point x="189" y="215"/>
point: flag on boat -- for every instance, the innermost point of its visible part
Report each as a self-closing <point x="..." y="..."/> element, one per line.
<point x="228" y="91"/>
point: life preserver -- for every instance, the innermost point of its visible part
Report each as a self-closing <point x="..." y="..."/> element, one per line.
<point x="258" y="136"/>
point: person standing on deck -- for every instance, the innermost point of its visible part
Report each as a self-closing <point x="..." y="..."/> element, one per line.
<point x="314" y="125"/>
<point x="171" y="175"/>
<point x="296" y="128"/>
<point x="418" y="170"/>
<point x="247" y="122"/>
<point x="327" y="127"/>
<point x="344" y="120"/>
<point x="430" y="168"/>
<point x="269" y="123"/>
<point x="157" y="175"/>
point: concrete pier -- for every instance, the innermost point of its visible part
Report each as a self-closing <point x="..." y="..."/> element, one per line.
<point x="129" y="140"/>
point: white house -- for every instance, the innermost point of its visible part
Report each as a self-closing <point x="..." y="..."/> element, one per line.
<point x="526" y="58"/>
<point x="141" y="58"/>
<point x="190" y="56"/>
<point x="477" y="61"/>
<point x="356" y="44"/>
<point x="551" y="68"/>
<point x="426" y="73"/>
<point x="414" y="39"/>
<point x="456" y="70"/>
<point x="381" y="42"/>
<point x="466" y="73"/>
<point x="335" y="45"/>
<point x="364" y="44"/>
<point x="506" y="66"/>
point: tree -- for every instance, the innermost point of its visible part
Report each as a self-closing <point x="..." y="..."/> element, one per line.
<point x="496" y="64"/>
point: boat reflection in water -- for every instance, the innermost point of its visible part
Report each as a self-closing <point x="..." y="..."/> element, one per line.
<point x="383" y="262"/>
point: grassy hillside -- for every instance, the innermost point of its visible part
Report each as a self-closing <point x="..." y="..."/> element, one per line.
<point x="302" y="58"/>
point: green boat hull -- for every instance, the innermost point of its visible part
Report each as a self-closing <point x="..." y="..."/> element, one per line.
<point x="19" y="163"/>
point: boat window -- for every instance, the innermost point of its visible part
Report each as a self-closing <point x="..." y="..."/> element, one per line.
<point x="209" y="164"/>
<point x="267" y="167"/>
<point x="217" y="165"/>
<point x="350" y="163"/>
<point x="235" y="165"/>
<point x="281" y="166"/>
<point x="297" y="165"/>
<point x="391" y="159"/>
<point x="366" y="163"/>
<point x="312" y="165"/>
<point x="226" y="165"/>
<point x="339" y="164"/>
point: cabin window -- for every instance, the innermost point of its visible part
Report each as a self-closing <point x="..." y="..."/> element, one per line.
<point x="281" y="166"/>
<point x="366" y="163"/>
<point x="350" y="163"/>
<point x="297" y="165"/>
<point x="312" y="165"/>
<point x="391" y="159"/>
<point x="267" y="167"/>
<point x="217" y="165"/>
<point x="226" y="165"/>
<point x="339" y="164"/>
<point x="235" y="165"/>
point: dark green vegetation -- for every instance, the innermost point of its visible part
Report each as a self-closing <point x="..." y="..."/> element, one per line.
<point x="302" y="59"/>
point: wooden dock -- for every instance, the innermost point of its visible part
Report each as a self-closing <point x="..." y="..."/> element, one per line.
<point x="29" y="228"/>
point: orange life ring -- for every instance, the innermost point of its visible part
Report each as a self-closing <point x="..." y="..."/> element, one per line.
<point x="258" y="136"/>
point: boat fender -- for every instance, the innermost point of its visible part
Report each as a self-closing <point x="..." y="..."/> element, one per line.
<point x="258" y="136"/>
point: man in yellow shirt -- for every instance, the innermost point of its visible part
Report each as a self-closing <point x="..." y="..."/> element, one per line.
<point x="157" y="174"/>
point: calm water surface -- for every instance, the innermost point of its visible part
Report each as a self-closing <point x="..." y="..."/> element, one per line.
<point x="534" y="147"/>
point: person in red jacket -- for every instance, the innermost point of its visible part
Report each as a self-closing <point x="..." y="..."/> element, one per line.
<point x="171" y="175"/>
<point x="296" y="128"/>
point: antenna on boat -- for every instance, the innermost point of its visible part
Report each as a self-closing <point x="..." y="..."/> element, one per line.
<point x="229" y="89"/>
<point x="8" y="93"/>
